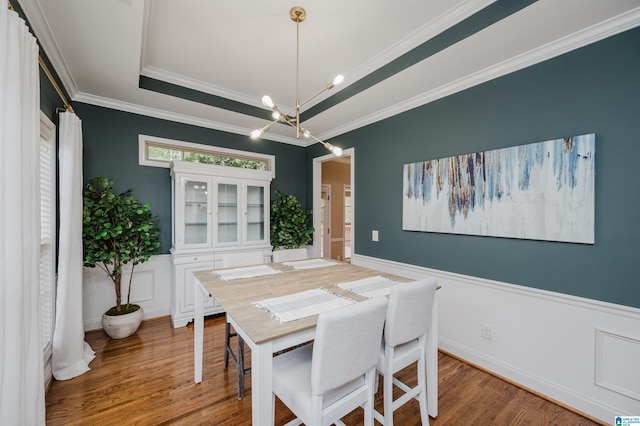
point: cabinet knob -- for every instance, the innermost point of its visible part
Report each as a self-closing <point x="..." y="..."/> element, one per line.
<point x="195" y="258"/>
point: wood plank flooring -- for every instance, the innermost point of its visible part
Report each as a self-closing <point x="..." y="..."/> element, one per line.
<point x="147" y="379"/>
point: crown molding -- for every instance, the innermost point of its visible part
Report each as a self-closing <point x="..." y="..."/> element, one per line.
<point x="595" y="33"/>
<point x="453" y="16"/>
<point x="177" y="79"/>
<point x="43" y="33"/>
<point x="553" y="49"/>
<point x="171" y="116"/>
<point x="436" y="26"/>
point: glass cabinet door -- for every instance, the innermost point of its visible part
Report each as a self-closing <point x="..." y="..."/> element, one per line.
<point x="227" y="213"/>
<point x="255" y="213"/>
<point x="196" y="210"/>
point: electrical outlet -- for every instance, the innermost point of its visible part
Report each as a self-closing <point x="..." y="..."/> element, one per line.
<point x="486" y="332"/>
<point x="374" y="235"/>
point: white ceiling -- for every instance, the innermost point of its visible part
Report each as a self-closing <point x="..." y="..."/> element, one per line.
<point x="243" y="49"/>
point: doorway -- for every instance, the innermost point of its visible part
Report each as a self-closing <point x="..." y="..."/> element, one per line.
<point x="329" y="221"/>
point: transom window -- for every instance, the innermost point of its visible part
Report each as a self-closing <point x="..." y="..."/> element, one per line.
<point x="159" y="152"/>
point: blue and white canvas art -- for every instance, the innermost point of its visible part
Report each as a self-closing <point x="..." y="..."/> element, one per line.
<point x="539" y="191"/>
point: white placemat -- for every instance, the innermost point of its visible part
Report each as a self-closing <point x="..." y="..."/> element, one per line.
<point x="246" y="272"/>
<point x="303" y="304"/>
<point x="370" y="287"/>
<point x="310" y="263"/>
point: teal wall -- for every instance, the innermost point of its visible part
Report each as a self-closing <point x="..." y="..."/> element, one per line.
<point x="110" y="140"/>
<point x="595" y="89"/>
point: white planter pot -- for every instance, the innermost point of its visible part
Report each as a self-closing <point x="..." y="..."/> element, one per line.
<point x="287" y="255"/>
<point x="121" y="326"/>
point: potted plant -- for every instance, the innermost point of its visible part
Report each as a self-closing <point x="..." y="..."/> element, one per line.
<point x="290" y="227"/>
<point x="117" y="230"/>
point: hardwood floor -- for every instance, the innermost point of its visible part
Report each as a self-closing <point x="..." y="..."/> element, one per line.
<point x="147" y="379"/>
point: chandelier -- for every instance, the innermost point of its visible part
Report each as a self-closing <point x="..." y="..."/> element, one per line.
<point x="297" y="15"/>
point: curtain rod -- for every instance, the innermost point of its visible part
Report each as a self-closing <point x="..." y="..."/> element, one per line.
<point x="44" y="67"/>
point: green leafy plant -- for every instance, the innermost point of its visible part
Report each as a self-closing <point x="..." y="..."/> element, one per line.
<point x="117" y="229"/>
<point x="290" y="226"/>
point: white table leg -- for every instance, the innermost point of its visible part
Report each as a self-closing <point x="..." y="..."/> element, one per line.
<point x="432" y="362"/>
<point x="199" y="294"/>
<point x="261" y="378"/>
<point x="261" y="384"/>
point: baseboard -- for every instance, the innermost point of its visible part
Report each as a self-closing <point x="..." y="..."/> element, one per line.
<point x="530" y="390"/>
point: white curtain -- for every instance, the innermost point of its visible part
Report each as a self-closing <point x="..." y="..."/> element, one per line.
<point x="21" y="348"/>
<point x="71" y="354"/>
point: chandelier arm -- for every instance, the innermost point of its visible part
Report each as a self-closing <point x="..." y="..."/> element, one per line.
<point x="321" y="141"/>
<point x="327" y="87"/>
<point x="268" y="126"/>
<point x="275" y="108"/>
<point x="316" y="139"/>
<point x="287" y="120"/>
<point x="288" y="113"/>
<point x="331" y="148"/>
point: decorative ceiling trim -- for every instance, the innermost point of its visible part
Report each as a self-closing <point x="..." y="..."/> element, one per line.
<point x="582" y="38"/>
<point x="450" y="36"/>
<point x="197" y="85"/>
<point x="436" y="26"/>
<point x="575" y="41"/>
<point x="170" y="116"/>
<point x="585" y="37"/>
<point x="463" y="21"/>
<point x="46" y="41"/>
<point x="452" y="17"/>
<point x="167" y="88"/>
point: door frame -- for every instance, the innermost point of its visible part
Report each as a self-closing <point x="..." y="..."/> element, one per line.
<point x="317" y="193"/>
<point x="326" y="238"/>
<point x="346" y="188"/>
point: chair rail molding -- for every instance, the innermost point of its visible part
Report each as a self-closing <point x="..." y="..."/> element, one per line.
<point x="577" y="351"/>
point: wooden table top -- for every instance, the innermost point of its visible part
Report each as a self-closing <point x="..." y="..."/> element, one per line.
<point x="236" y="296"/>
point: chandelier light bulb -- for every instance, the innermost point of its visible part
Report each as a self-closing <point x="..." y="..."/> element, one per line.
<point x="266" y="101"/>
<point x="256" y="134"/>
<point x="339" y="79"/>
<point x="275" y="115"/>
<point x="336" y="151"/>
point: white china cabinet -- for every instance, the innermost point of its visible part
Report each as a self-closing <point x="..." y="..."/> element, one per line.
<point x="216" y="210"/>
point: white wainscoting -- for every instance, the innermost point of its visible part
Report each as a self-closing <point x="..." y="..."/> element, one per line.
<point x="151" y="290"/>
<point x="580" y="352"/>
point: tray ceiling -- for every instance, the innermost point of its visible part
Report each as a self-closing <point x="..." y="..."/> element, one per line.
<point x="208" y="63"/>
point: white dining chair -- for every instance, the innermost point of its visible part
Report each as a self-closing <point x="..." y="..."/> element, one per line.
<point x="404" y="343"/>
<point x="324" y="381"/>
<point x="233" y="260"/>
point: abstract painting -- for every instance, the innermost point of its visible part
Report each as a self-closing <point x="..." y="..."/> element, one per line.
<point x="539" y="191"/>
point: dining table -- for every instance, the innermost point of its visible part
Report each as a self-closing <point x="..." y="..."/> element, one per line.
<point x="275" y="306"/>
